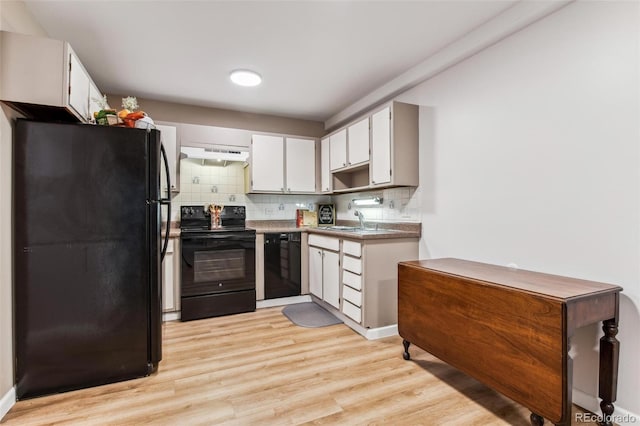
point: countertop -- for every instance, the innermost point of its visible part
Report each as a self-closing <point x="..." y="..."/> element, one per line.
<point x="384" y="230"/>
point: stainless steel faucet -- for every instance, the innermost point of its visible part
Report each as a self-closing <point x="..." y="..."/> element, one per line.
<point x="360" y="218"/>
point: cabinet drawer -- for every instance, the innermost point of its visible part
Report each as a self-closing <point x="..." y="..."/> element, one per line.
<point x="352" y="264"/>
<point x="352" y="248"/>
<point x="352" y="280"/>
<point x="352" y="295"/>
<point x="324" y="242"/>
<point x="351" y="311"/>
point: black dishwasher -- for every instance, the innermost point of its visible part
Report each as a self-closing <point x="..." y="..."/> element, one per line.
<point x="282" y="274"/>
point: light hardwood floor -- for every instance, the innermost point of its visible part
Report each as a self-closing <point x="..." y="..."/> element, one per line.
<point x="258" y="368"/>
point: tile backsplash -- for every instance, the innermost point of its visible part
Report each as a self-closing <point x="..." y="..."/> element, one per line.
<point x="398" y="205"/>
<point x="210" y="183"/>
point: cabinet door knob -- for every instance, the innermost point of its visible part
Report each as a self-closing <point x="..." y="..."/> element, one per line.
<point x="281" y="189"/>
<point x="344" y="164"/>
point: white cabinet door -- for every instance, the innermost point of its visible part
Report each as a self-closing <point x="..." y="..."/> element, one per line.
<point x="325" y="168"/>
<point x="168" y="282"/>
<point x="381" y="147"/>
<point x="338" y="150"/>
<point x="78" y="87"/>
<point x="267" y="163"/>
<point x="301" y="165"/>
<point x="358" y="137"/>
<point x="169" y="138"/>
<point x="315" y="271"/>
<point x="331" y="278"/>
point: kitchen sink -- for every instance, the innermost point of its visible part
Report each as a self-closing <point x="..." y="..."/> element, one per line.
<point x="357" y="229"/>
<point x="343" y="228"/>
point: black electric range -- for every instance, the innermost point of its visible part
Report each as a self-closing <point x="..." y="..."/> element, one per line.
<point x="218" y="263"/>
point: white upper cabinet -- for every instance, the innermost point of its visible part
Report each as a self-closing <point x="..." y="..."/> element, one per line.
<point x="381" y="147"/>
<point x="393" y="160"/>
<point x="394" y="145"/>
<point x="79" y="83"/>
<point x="358" y="142"/>
<point x="282" y="164"/>
<point x="350" y="146"/>
<point x="55" y="77"/>
<point x="325" y="168"/>
<point x="267" y="163"/>
<point x="338" y="150"/>
<point x="300" y="165"/>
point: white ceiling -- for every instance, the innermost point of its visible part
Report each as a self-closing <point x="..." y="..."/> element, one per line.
<point x="316" y="58"/>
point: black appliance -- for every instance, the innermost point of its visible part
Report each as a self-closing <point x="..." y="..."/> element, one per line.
<point x="87" y="255"/>
<point x="282" y="276"/>
<point x="218" y="265"/>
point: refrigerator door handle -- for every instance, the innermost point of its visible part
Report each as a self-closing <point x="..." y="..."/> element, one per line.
<point x="166" y="202"/>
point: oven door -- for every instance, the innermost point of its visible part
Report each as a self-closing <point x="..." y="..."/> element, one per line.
<point x="218" y="262"/>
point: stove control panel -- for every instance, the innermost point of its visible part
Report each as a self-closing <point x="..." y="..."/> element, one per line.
<point x="199" y="216"/>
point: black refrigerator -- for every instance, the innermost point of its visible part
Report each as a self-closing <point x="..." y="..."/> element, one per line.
<point x="87" y="255"/>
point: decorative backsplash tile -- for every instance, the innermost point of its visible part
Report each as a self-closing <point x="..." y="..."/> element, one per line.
<point x="398" y="205"/>
<point x="210" y="183"/>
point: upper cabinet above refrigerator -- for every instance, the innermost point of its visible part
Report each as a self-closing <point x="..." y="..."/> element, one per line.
<point x="56" y="86"/>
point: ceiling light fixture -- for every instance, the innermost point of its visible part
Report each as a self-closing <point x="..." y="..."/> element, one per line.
<point x="245" y="78"/>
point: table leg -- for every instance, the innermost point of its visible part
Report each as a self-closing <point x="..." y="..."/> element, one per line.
<point x="536" y="420"/>
<point x="608" y="378"/>
<point x="406" y="355"/>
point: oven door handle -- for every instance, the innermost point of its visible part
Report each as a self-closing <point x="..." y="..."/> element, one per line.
<point x="219" y="237"/>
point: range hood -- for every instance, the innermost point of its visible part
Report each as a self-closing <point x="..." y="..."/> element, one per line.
<point x="215" y="154"/>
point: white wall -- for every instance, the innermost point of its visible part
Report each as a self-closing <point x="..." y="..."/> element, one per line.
<point x="529" y="153"/>
<point x="14" y="16"/>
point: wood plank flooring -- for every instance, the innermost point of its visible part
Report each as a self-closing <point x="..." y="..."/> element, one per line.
<point x="258" y="368"/>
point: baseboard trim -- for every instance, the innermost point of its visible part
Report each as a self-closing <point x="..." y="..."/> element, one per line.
<point x="170" y="316"/>
<point x="367" y="333"/>
<point x="270" y="303"/>
<point x="382" y="332"/>
<point x="621" y="417"/>
<point x="7" y="401"/>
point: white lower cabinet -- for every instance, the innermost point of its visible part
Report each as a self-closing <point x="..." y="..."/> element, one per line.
<point x="331" y="278"/>
<point x="315" y="271"/>
<point x="359" y="277"/>
<point x="171" y="277"/>
<point x="352" y="280"/>
<point x="324" y="269"/>
<point x="352" y="311"/>
<point x="369" y="279"/>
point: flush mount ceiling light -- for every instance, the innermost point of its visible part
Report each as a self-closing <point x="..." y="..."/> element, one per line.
<point x="245" y="78"/>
